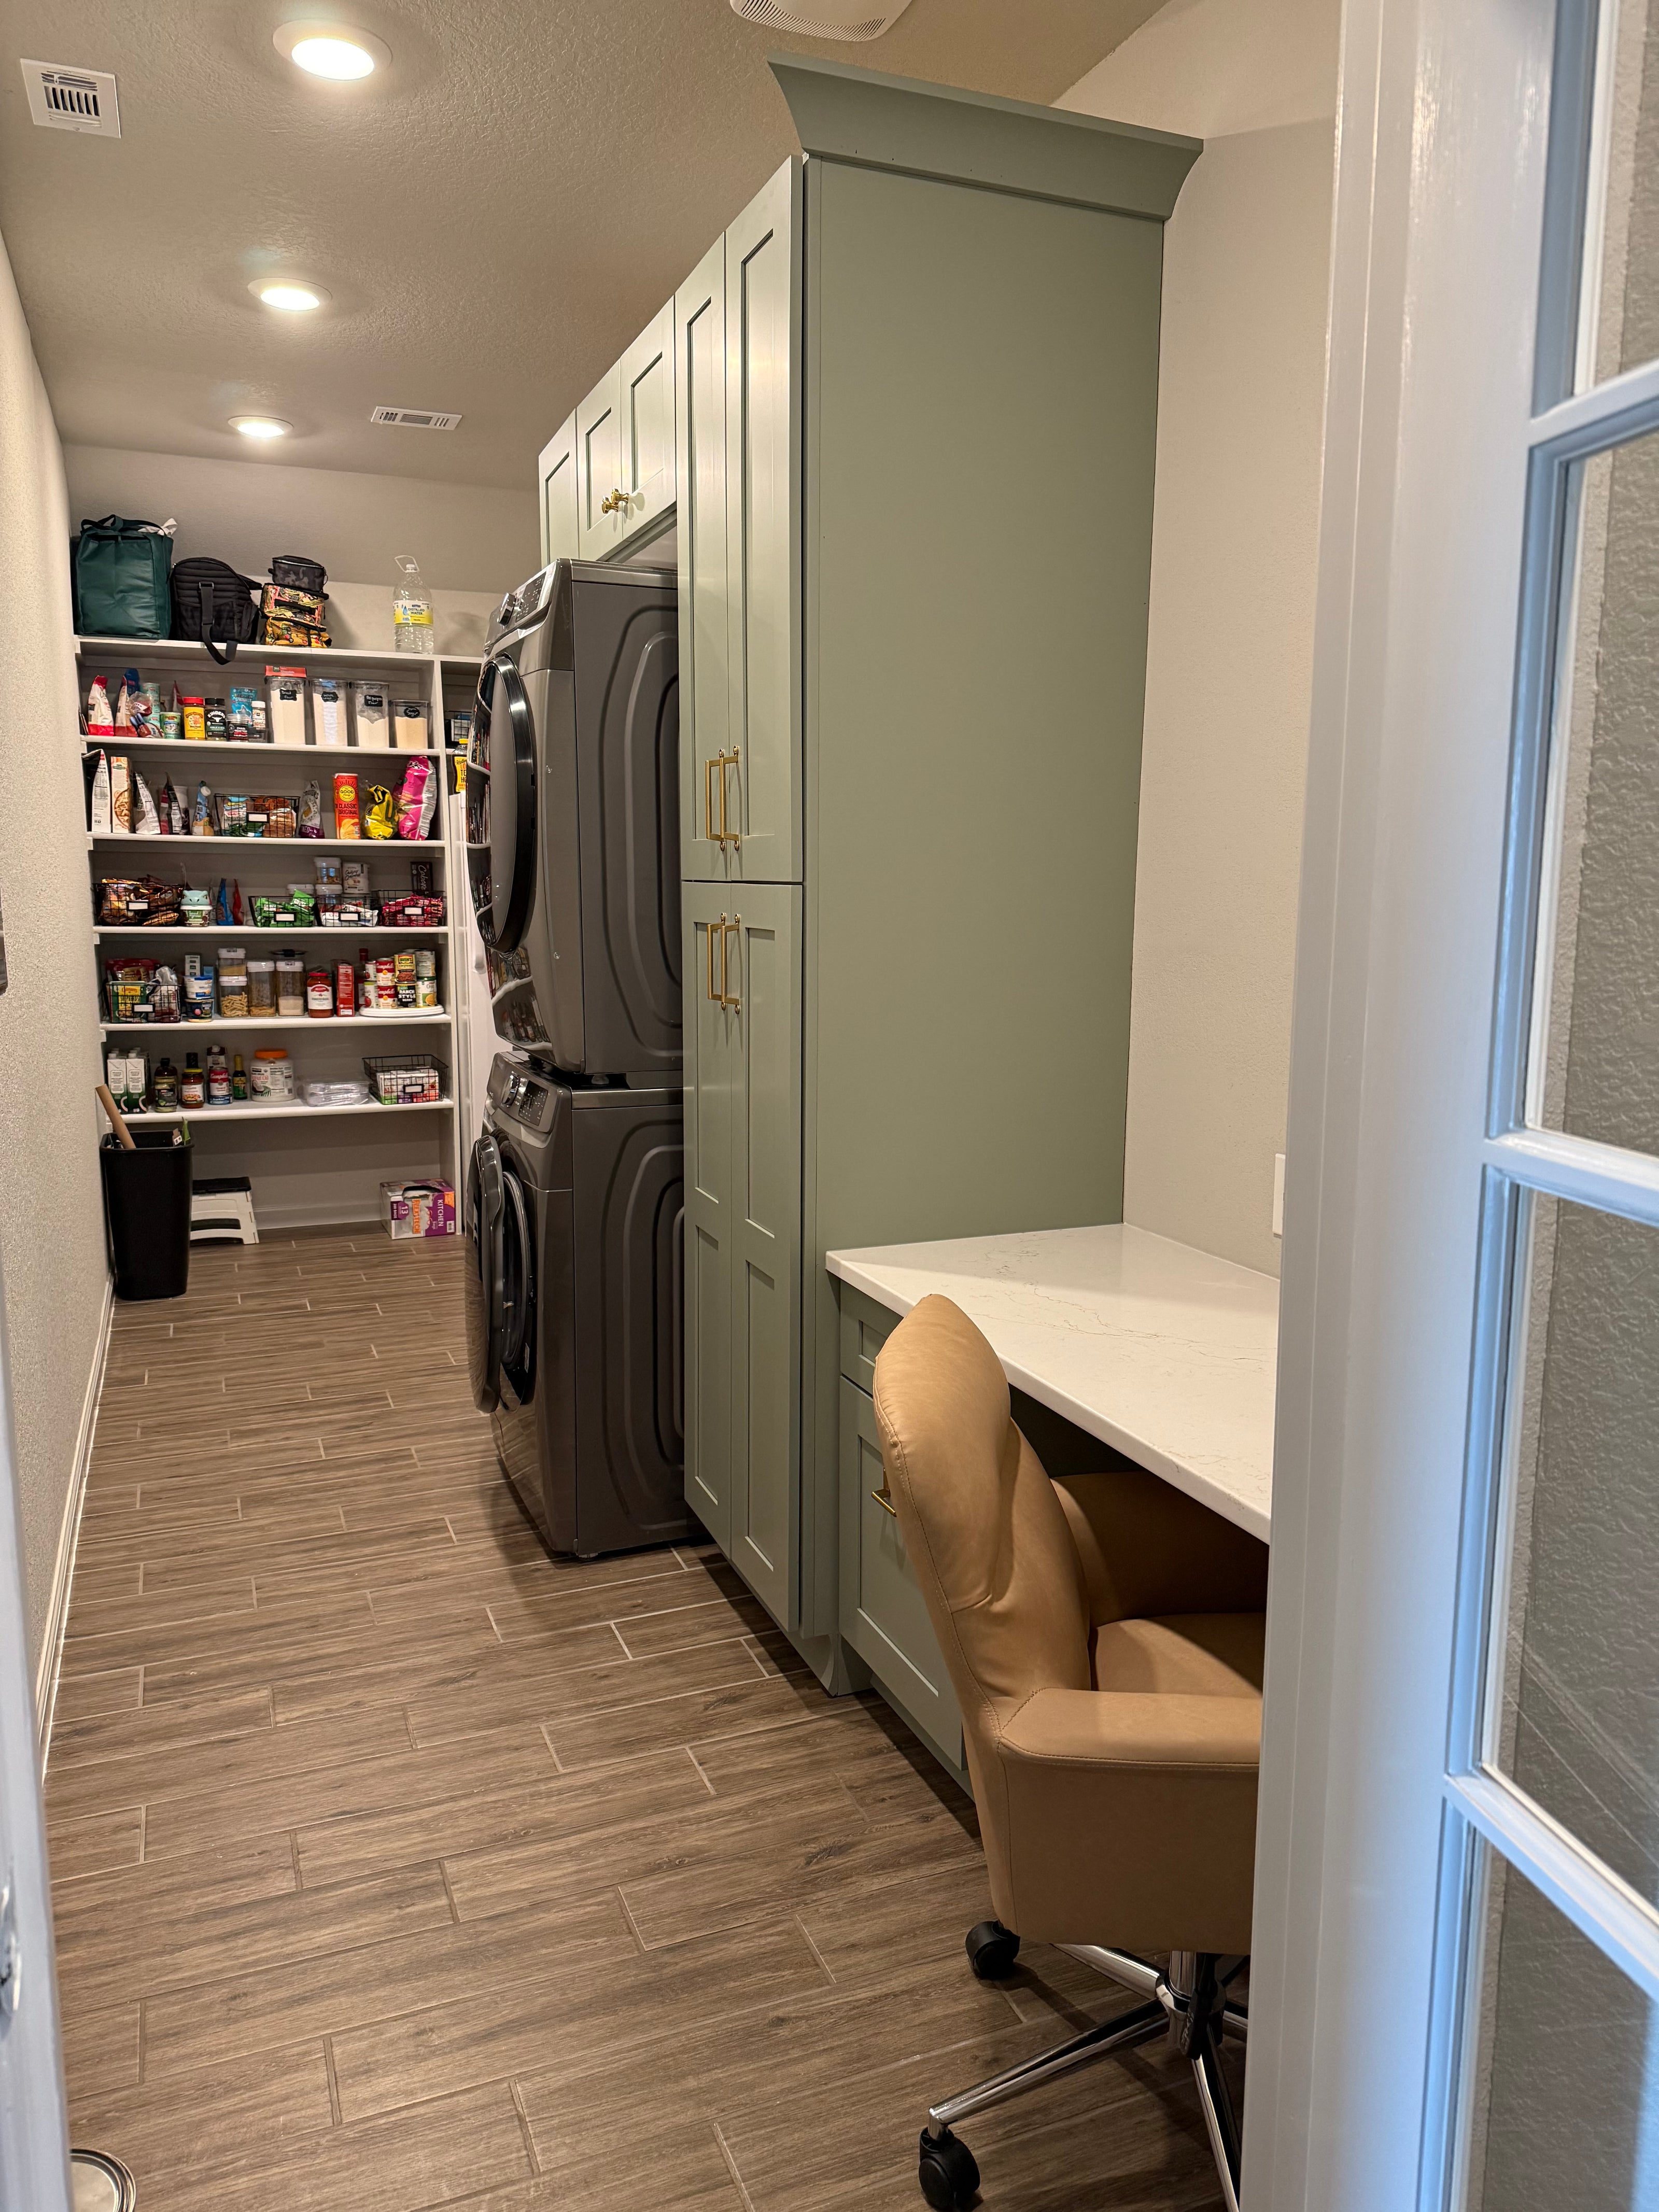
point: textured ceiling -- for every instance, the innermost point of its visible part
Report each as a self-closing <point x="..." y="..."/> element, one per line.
<point x="495" y="217"/>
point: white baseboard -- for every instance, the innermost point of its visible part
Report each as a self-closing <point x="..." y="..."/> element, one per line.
<point x="52" y="1652"/>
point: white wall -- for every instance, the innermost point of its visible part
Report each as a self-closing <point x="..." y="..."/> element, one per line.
<point x="51" y="1228"/>
<point x="1234" y="542"/>
<point x="471" y="542"/>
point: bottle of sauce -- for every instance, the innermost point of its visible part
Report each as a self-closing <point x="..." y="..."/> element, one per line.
<point x="165" y="1087"/>
<point x="237" y="1078"/>
<point x="218" y="1076"/>
<point x="192" y="1088"/>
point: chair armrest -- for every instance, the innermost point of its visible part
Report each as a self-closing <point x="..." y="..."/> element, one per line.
<point x="1147" y="1550"/>
<point x="1131" y="1820"/>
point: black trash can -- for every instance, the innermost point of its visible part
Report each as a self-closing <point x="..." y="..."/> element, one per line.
<point x="146" y="1212"/>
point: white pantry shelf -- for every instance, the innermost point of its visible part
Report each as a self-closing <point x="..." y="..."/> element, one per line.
<point x="129" y="838"/>
<point x="334" y="931"/>
<point x="287" y="1109"/>
<point x="135" y="741"/>
<point x="132" y="652"/>
<point x="432" y="1017"/>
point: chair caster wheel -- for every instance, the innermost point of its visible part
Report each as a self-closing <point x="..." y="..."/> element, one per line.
<point x="947" y="2172"/>
<point x="992" y="1950"/>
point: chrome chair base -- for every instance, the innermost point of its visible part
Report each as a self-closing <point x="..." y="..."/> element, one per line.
<point x="1188" y="2003"/>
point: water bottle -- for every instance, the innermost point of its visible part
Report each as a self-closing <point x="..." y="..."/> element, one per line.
<point x="411" y="609"/>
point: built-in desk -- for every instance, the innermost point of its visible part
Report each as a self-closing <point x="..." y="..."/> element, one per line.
<point x="1165" y="1352"/>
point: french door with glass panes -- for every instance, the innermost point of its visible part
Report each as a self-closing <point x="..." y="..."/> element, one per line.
<point x="1456" y="1973"/>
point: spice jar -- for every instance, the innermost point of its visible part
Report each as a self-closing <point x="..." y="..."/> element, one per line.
<point x="233" y="984"/>
<point x="261" y="986"/>
<point x="290" y="985"/>
<point x="272" y="1073"/>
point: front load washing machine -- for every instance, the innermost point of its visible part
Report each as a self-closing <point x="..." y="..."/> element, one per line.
<point x="574" y="1224"/>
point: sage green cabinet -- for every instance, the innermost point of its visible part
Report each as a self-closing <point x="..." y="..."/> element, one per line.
<point x="915" y="795"/>
<point x="741" y="1082"/>
<point x="556" y="479"/>
<point x="699" y="534"/>
<point x="645" y="394"/>
<point x="600" y="469"/>
<point x="883" y="1615"/>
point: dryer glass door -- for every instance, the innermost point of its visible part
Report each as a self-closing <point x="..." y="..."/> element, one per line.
<point x="485" y="1317"/>
<point x="517" y="1361"/>
<point x="501" y="806"/>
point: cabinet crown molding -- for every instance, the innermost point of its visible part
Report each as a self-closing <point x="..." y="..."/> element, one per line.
<point x="877" y="122"/>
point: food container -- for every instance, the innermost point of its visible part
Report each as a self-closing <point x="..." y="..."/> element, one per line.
<point x="193" y="715"/>
<point x="354" y="876"/>
<point x="261" y="986"/>
<point x="345" y="988"/>
<point x="371" y="714"/>
<point x="290" y="986"/>
<point x="272" y="1075"/>
<point x="173" y="723"/>
<point x="195" y="908"/>
<point x="348" y="820"/>
<point x="411" y="725"/>
<point x="328" y="711"/>
<point x="233" y="1000"/>
<point x="426" y="977"/>
<point x="288" y="705"/>
<point x="319" y="994"/>
<point x="217" y="720"/>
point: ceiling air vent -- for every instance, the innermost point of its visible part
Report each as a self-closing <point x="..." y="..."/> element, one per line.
<point x="823" y="19"/>
<point x="413" y="418"/>
<point x="72" y="99"/>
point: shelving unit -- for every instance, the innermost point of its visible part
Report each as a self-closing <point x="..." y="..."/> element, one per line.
<point x="306" y="1163"/>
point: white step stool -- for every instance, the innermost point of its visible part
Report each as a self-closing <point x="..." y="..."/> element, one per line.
<point x="221" y="1211"/>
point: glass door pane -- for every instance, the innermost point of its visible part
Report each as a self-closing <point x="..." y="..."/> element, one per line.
<point x="1561" y="2068"/>
<point x="1621" y="291"/>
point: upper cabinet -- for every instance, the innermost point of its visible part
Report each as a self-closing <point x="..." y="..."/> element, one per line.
<point x="645" y="395"/>
<point x="599" y="494"/>
<point x="556" y="479"/>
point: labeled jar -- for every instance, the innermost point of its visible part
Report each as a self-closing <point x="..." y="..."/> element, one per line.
<point x="261" y="987"/>
<point x="272" y="1073"/>
<point x="290" y="986"/>
<point x="319" y="994"/>
<point x="233" y="1000"/>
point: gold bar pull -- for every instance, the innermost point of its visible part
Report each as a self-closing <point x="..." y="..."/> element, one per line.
<point x="717" y="929"/>
<point x="727" y="831"/>
<point x="715" y="837"/>
<point x="883" y="1499"/>
<point x="730" y="929"/>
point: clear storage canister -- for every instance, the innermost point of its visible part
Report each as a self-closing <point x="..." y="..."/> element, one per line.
<point x="261" y="986"/>
<point x="290" y="985"/>
<point x="233" y="1004"/>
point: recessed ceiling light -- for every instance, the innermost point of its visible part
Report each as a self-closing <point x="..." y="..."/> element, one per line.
<point x="331" y="49"/>
<point x="288" y="293"/>
<point x="260" y="426"/>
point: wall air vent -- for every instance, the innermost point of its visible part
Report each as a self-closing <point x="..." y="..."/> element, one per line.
<point x="413" y="418"/>
<point x="823" y="19"/>
<point x="72" y="99"/>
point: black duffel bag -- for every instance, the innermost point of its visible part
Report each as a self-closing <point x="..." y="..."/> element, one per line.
<point x="212" y="602"/>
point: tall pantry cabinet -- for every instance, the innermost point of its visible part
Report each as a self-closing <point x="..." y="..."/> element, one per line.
<point x="915" y="416"/>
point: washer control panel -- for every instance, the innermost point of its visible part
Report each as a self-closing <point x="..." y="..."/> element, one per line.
<point x="522" y="1098"/>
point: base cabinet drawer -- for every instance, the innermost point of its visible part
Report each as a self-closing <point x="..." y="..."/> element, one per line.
<point x="882" y="1614"/>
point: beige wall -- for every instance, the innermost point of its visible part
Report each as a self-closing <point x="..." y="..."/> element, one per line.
<point x="51" y="1231"/>
<point x="471" y="542"/>
<point x="1234" y="541"/>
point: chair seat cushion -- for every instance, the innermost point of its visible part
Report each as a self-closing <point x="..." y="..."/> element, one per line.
<point x="1207" y="1655"/>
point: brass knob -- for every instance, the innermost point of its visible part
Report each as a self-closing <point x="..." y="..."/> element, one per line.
<point x="614" y="504"/>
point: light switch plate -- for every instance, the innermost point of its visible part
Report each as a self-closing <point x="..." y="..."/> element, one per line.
<point x="1278" y="1193"/>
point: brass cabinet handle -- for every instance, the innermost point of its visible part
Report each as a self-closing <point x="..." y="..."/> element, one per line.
<point x="614" y="504"/>
<point x="716" y="929"/>
<point x="727" y="831"/>
<point x="884" y="1500"/>
<point x="730" y="929"/>
<point x="715" y="837"/>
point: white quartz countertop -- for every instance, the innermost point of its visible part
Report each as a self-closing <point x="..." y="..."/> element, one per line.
<point x="1166" y="1352"/>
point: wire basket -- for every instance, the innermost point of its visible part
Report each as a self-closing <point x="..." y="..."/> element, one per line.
<point x="407" y="1079"/>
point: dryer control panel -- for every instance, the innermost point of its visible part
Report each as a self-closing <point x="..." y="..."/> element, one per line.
<point x="523" y="1097"/>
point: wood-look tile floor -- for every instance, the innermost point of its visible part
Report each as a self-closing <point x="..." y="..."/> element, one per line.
<point x="398" y="1865"/>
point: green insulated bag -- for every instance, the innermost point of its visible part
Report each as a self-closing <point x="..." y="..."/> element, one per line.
<point x="120" y="574"/>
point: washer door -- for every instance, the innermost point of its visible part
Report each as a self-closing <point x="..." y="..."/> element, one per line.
<point x="485" y="1210"/>
<point x="501" y="806"/>
<point x="518" y="1363"/>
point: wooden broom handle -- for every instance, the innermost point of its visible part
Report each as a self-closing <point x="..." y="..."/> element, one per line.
<point x="124" y="1135"/>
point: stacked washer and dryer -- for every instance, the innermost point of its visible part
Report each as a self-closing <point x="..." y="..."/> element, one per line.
<point x="575" y="1206"/>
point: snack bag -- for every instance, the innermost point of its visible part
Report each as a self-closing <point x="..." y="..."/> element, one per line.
<point x="102" y="819"/>
<point x="124" y="703"/>
<point x="311" y="811"/>
<point x="100" y="721"/>
<point x="382" y="818"/>
<point x="200" y="820"/>
<point x="347" y="822"/>
<point x="145" y="821"/>
<point x="415" y="800"/>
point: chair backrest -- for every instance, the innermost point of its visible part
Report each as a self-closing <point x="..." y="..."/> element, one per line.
<point x="985" y="1531"/>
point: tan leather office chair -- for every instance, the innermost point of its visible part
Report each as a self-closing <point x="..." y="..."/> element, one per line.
<point x="1103" y="1635"/>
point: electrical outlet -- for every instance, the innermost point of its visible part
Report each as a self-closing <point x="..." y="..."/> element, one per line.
<point x="1278" y="1193"/>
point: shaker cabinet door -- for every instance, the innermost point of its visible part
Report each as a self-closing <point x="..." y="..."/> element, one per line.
<point x="700" y="530"/>
<point x="763" y="512"/>
<point x="709" y="1039"/>
<point x="645" y="392"/>
<point x="556" y="475"/>
<point x="599" y="493"/>
<point x="762" y="976"/>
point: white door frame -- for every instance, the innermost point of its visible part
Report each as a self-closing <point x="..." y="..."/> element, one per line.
<point x="34" y="2120"/>
<point x="1441" y="152"/>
